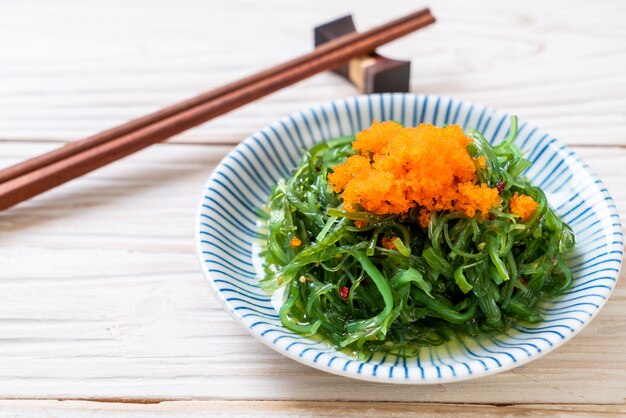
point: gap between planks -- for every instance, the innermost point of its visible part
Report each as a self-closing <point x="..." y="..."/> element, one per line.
<point x="306" y="408"/>
<point x="236" y="141"/>
<point x="261" y="401"/>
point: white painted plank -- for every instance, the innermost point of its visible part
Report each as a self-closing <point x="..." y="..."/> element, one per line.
<point x="101" y="296"/>
<point x="71" y="68"/>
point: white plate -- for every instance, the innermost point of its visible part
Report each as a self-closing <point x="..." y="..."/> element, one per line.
<point x="228" y="237"/>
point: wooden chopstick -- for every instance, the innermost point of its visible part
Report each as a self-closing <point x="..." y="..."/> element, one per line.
<point x="50" y="170"/>
<point x="133" y="125"/>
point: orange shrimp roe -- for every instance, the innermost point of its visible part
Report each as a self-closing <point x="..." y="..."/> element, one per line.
<point x="388" y="243"/>
<point x="424" y="217"/>
<point x="295" y="242"/>
<point x="361" y="224"/>
<point x="523" y="205"/>
<point x="400" y="168"/>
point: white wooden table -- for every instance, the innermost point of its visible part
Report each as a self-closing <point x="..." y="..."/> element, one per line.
<point x="103" y="307"/>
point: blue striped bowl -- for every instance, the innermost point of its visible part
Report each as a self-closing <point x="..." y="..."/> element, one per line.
<point x="229" y="237"/>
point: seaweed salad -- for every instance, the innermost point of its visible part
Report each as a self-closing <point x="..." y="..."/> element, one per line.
<point x="401" y="237"/>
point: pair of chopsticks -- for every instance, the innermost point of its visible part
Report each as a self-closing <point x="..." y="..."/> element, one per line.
<point x="29" y="178"/>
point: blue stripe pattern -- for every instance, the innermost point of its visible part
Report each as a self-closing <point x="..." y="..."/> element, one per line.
<point x="229" y="237"/>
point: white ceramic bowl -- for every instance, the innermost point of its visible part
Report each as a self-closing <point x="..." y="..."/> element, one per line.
<point x="228" y="237"/>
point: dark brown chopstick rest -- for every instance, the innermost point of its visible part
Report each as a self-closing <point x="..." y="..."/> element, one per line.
<point x="372" y="73"/>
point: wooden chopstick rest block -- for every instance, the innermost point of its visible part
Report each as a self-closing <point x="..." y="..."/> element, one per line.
<point x="372" y="73"/>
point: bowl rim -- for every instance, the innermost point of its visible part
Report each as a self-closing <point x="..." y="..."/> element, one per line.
<point x="394" y="380"/>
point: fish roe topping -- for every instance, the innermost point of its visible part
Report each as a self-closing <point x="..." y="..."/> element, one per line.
<point x="295" y="242"/>
<point x="388" y="243"/>
<point x="361" y="224"/>
<point x="523" y="205"/>
<point x="481" y="162"/>
<point x="397" y="169"/>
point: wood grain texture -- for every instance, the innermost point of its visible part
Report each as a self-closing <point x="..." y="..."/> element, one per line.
<point x="69" y="69"/>
<point x="101" y="297"/>
<point x="192" y="409"/>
